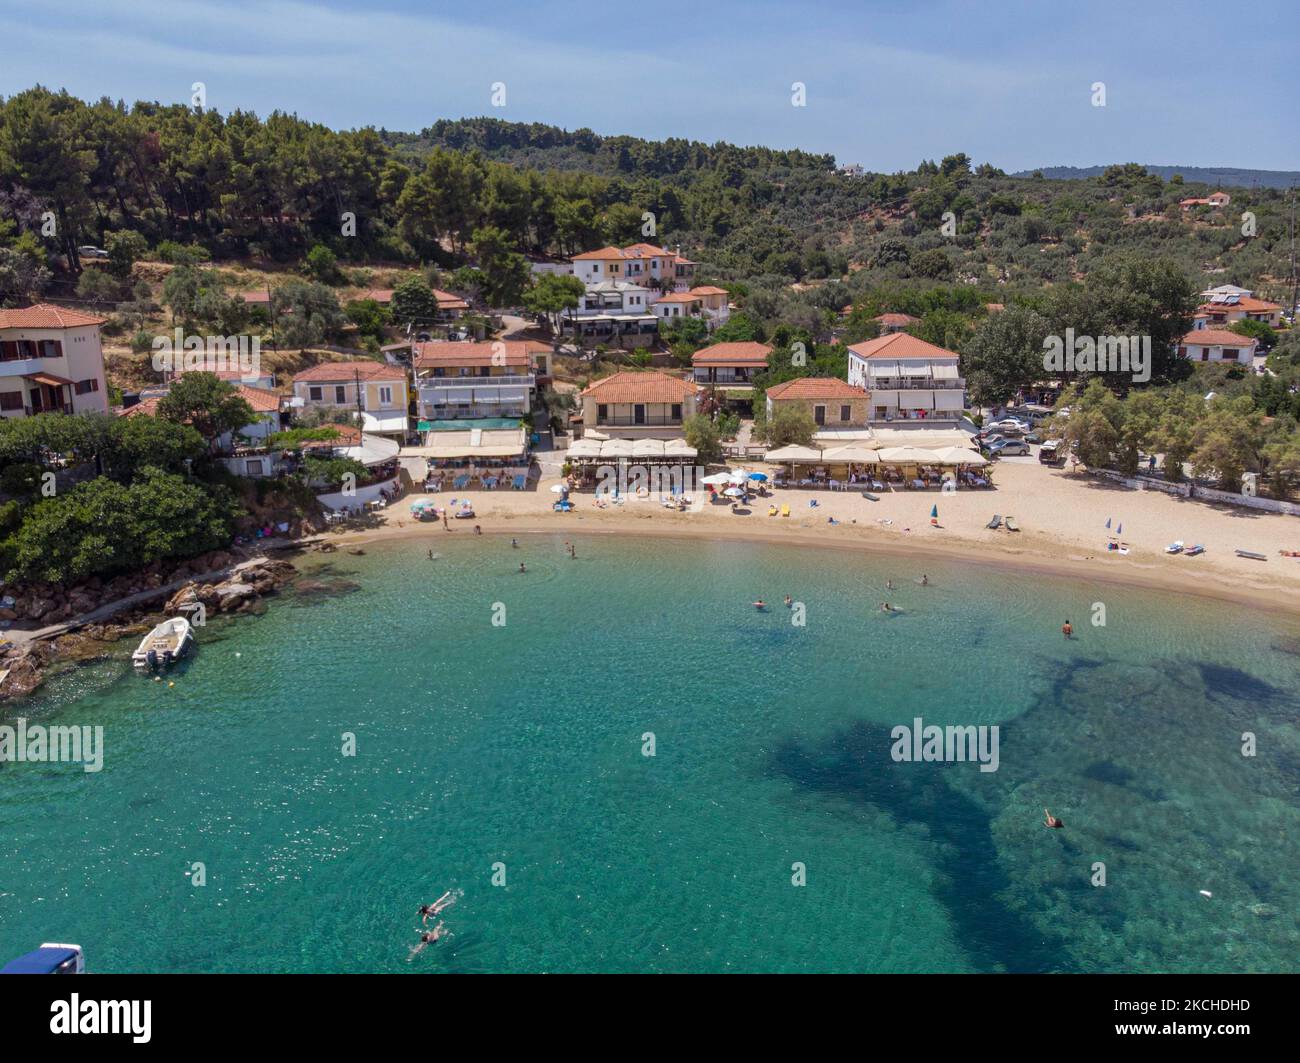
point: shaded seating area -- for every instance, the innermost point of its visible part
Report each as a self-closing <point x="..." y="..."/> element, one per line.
<point x="861" y="466"/>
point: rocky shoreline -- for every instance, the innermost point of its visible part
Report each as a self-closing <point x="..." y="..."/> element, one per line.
<point x="221" y="582"/>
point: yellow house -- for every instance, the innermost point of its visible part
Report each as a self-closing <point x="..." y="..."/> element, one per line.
<point x="375" y="390"/>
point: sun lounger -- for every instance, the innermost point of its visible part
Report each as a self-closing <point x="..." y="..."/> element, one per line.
<point x="785" y="510"/>
<point x="1176" y="547"/>
<point x="460" y="482"/>
<point x="1193" y="551"/>
<point x="771" y="511"/>
<point x="519" y="482"/>
<point x="1011" y="524"/>
<point x="1250" y="554"/>
<point x="996" y="522"/>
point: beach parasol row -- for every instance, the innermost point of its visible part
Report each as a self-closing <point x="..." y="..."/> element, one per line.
<point x="860" y="454"/>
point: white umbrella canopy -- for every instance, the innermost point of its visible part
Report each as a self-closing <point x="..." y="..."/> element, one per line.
<point x="559" y="489"/>
<point x="794" y="452"/>
<point x="616" y="448"/>
<point x="717" y="478"/>
<point x="909" y="456"/>
<point x="679" y="448"/>
<point x="734" y="492"/>
<point x="958" y="456"/>
<point x="739" y="476"/>
<point x="854" y="452"/>
<point x="585" y="448"/>
<point x="648" y="448"/>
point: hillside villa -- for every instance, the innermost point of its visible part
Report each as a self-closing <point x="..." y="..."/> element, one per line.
<point x="732" y="365"/>
<point x="1225" y="307"/>
<point x="467" y="380"/>
<point x="51" y="361"/>
<point x="1217" y="345"/>
<point x="637" y="263"/>
<point x="1214" y="199"/>
<point x="830" y="401"/>
<point x="375" y="390"/>
<point x="894" y="322"/>
<point x="638" y="405"/>
<point x="616" y="313"/>
<point x="908" y="379"/>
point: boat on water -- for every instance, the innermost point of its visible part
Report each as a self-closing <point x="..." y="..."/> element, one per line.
<point x="50" y="958"/>
<point x="167" y="643"/>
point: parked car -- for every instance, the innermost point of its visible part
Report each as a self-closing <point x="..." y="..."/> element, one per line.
<point x="1052" y="452"/>
<point x="90" y="251"/>
<point x="1008" y="448"/>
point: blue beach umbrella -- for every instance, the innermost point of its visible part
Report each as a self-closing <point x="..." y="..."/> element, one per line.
<point x="758" y="476"/>
<point x="934" y="511"/>
<point x="1108" y="522"/>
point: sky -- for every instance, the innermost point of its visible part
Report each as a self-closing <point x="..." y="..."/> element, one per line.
<point x="887" y="84"/>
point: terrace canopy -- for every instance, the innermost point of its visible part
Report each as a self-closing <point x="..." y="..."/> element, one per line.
<point x="958" y="456"/>
<point x="794" y="452"/>
<point x="909" y="456"/>
<point x="857" y="453"/>
<point x="584" y="448"/>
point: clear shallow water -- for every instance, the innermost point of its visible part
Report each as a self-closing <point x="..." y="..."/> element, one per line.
<point x="522" y="745"/>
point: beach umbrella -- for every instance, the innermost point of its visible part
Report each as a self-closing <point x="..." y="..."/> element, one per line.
<point x="718" y="478"/>
<point x="1107" y="522"/>
<point x="559" y="489"/>
<point x="760" y="476"/>
<point x="934" y="515"/>
<point x="734" y="492"/>
<point x="739" y="476"/>
<point x="1120" y="530"/>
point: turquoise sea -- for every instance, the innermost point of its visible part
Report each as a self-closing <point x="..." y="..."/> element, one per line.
<point x="516" y="750"/>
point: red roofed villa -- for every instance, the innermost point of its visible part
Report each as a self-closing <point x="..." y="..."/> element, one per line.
<point x="639" y="405"/>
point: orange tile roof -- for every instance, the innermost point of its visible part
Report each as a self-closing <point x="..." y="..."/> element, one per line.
<point x="895" y="319"/>
<point x="347" y="372"/>
<point x="748" y="353"/>
<point x="817" y="387"/>
<point x="148" y="407"/>
<point x="1216" y="337"/>
<point x="604" y="254"/>
<point x="46" y="315"/>
<point x="497" y="352"/>
<point x="260" y="295"/>
<point x="679" y="297"/>
<point x="260" y="399"/>
<point x="900" y="345"/>
<point x="379" y="295"/>
<point x="1246" y="302"/>
<point x="650" y="386"/>
<point x="708" y="289"/>
<point x="449" y="301"/>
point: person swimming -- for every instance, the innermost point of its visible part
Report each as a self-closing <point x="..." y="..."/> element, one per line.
<point x="427" y="938"/>
<point x="889" y="584"/>
<point x="445" y="901"/>
<point x="1067" y="629"/>
<point x="1051" y="821"/>
<point x="885" y="607"/>
<point x="789" y="602"/>
<point x="925" y="580"/>
<point x="521" y="567"/>
<point x="514" y="543"/>
<point x="760" y="605"/>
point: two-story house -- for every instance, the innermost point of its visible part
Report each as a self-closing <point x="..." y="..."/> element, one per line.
<point x="616" y="313"/>
<point x="732" y="365"/>
<point x="638" y="264"/>
<point x="909" y="379"/>
<point x="465" y="380"/>
<point x="51" y="361"/>
<point x="639" y="405"/>
<point x="1227" y="308"/>
<point x="374" y="389"/>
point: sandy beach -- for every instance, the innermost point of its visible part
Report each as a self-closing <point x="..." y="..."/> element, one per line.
<point x="1062" y="517"/>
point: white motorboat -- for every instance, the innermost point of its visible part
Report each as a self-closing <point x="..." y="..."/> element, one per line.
<point x="168" y="642"/>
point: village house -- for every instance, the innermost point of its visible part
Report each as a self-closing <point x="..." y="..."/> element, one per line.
<point x="909" y="379"/>
<point x="51" y="361"/>
<point x="1228" y="304"/>
<point x="1217" y="345"/>
<point x="1214" y="199"/>
<point x="375" y="390"/>
<point x="639" y="264"/>
<point x="615" y="313"/>
<point x="638" y="405"/>
<point x="832" y="402"/>
<point x="894" y="322"/>
<point x="243" y="452"/>
<point x="465" y="380"/>
<point x="732" y="365"/>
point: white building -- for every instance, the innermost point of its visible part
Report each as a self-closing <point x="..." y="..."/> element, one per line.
<point x="456" y="381"/>
<point x="909" y="379"/>
<point x="637" y="263"/>
<point x="1217" y="345"/>
<point x="615" y="313"/>
<point x="51" y="361"/>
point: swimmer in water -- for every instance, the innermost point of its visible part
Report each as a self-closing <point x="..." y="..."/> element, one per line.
<point x="445" y="901"/>
<point x="760" y="605"/>
<point x="925" y="580"/>
<point x="889" y="584"/>
<point x="428" y="937"/>
<point x="521" y="567"/>
<point x="514" y="543"/>
<point x="1050" y="820"/>
<point x="789" y="602"/>
<point x="885" y="607"/>
<point x="1067" y="629"/>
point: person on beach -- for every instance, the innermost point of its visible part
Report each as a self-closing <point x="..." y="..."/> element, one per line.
<point x="445" y="525"/>
<point x="478" y="530"/>
<point x="1051" y="821"/>
<point x="1067" y="629"/>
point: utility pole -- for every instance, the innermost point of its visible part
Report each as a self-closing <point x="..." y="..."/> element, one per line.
<point x="361" y="420"/>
